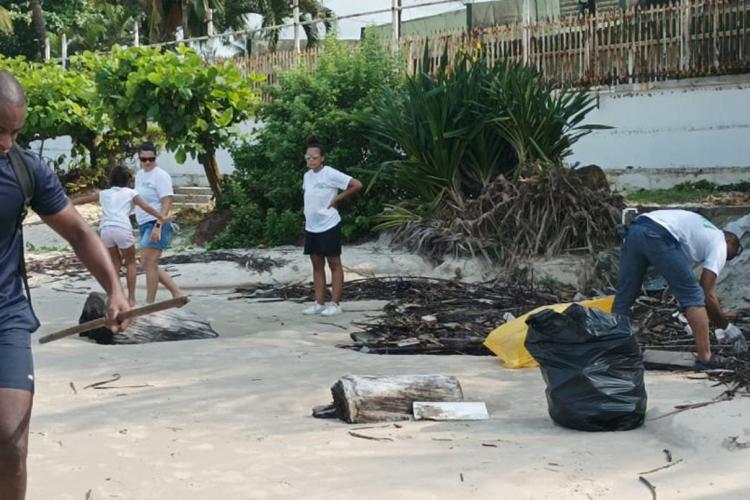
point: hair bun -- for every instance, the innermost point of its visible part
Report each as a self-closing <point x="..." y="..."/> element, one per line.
<point x="312" y="140"/>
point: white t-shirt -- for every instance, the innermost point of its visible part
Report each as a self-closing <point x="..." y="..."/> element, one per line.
<point x="320" y="189"/>
<point x="702" y="241"/>
<point x="152" y="186"/>
<point x="117" y="204"/>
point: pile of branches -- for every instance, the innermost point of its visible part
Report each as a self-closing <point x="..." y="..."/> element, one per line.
<point x="428" y="315"/>
<point x="552" y="212"/>
<point x="67" y="264"/>
<point x="662" y="327"/>
<point x="250" y="261"/>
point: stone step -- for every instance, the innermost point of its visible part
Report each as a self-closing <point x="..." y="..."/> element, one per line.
<point x="201" y="207"/>
<point x="191" y="198"/>
<point x="193" y="190"/>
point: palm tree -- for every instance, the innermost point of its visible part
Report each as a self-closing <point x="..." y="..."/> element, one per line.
<point x="6" y="22"/>
<point x="275" y="12"/>
<point x="165" y="16"/>
<point x="37" y="18"/>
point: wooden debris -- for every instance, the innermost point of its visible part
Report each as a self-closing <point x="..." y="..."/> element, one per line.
<point x="371" y="438"/>
<point x="462" y="410"/>
<point x="364" y="399"/>
<point x="163" y="326"/>
<point x="668" y="360"/>
<point x="667" y="466"/>
<point x="650" y="486"/>
<point x="428" y="315"/>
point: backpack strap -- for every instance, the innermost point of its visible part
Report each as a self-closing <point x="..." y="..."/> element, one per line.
<point x="24" y="173"/>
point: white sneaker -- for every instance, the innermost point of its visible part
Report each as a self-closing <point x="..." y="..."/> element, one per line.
<point x="331" y="310"/>
<point x="314" y="309"/>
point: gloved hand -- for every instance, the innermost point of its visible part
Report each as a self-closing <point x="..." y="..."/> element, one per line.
<point x="729" y="334"/>
<point x="732" y="335"/>
<point x="715" y="363"/>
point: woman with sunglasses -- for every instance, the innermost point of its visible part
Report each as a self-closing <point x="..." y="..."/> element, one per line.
<point x="325" y="188"/>
<point x="154" y="185"/>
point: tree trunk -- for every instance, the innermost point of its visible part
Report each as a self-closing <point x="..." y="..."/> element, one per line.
<point x="162" y="326"/>
<point x="211" y="166"/>
<point x="359" y="399"/>
<point x="37" y="17"/>
<point x="185" y="27"/>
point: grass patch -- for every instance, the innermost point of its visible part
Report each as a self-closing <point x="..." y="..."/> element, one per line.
<point x="686" y="192"/>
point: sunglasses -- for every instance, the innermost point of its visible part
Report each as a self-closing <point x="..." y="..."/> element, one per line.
<point x="311" y="157"/>
<point x="145" y="159"/>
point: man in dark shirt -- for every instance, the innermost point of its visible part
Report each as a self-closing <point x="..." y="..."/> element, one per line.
<point x="17" y="320"/>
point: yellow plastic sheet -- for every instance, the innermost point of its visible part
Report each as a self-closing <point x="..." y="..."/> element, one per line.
<point x="507" y="340"/>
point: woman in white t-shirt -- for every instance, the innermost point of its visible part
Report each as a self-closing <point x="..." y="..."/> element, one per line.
<point x="115" y="229"/>
<point x="324" y="187"/>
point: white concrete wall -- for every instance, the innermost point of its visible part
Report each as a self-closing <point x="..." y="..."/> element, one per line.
<point x="190" y="173"/>
<point x="669" y="132"/>
<point x="664" y="133"/>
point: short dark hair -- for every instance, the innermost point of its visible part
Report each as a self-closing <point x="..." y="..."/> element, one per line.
<point x="313" y="142"/>
<point x="11" y="91"/>
<point x="147" y="146"/>
<point x="119" y="176"/>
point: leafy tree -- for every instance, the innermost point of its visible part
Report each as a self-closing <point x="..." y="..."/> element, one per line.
<point x="326" y="102"/>
<point x="193" y="103"/>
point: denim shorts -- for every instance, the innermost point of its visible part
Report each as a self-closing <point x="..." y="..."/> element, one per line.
<point x="145" y="231"/>
<point x="649" y="244"/>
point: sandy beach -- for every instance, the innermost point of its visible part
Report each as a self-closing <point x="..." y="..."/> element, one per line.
<point x="231" y="417"/>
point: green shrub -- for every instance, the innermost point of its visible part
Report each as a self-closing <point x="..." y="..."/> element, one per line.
<point x="326" y="102"/>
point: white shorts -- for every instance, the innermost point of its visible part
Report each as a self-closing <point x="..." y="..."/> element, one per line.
<point x="113" y="236"/>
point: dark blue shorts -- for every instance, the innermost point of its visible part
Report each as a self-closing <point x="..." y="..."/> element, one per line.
<point x="649" y="244"/>
<point x="16" y="363"/>
<point x="145" y="231"/>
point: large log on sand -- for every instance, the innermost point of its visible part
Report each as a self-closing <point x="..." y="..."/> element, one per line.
<point x="162" y="326"/>
<point x="361" y="398"/>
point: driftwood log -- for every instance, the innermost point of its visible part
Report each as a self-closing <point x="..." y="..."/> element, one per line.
<point x="361" y="398"/>
<point x="163" y="326"/>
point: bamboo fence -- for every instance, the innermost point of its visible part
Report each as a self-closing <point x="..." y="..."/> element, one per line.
<point x="673" y="40"/>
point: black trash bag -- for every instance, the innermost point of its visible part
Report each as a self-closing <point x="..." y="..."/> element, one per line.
<point x="593" y="368"/>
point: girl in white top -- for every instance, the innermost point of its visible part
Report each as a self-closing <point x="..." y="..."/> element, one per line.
<point x="115" y="229"/>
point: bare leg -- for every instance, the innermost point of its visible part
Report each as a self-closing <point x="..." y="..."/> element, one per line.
<point x="150" y="262"/>
<point x="698" y="320"/>
<point x="15" y="412"/>
<point x="115" y="257"/>
<point x="129" y="256"/>
<point x="166" y="280"/>
<point x="337" y="278"/>
<point x="319" y="278"/>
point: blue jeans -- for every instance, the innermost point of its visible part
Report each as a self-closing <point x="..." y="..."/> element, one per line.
<point x="649" y="244"/>
<point x="145" y="231"/>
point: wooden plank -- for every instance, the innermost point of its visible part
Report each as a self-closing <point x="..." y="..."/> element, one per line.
<point x="132" y="313"/>
<point x="362" y="398"/>
<point x="668" y="360"/>
<point x="463" y="410"/>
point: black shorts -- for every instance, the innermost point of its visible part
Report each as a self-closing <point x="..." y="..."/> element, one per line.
<point x="16" y="364"/>
<point x="327" y="243"/>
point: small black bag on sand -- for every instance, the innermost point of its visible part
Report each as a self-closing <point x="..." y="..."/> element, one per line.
<point x="593" y="368"/>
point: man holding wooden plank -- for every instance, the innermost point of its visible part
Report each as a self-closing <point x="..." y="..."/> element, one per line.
<point x="25" y="181"/>
<point x="672" y="241"/>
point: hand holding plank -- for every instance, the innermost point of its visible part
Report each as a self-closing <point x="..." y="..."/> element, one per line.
<point x="132" y="313"/>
